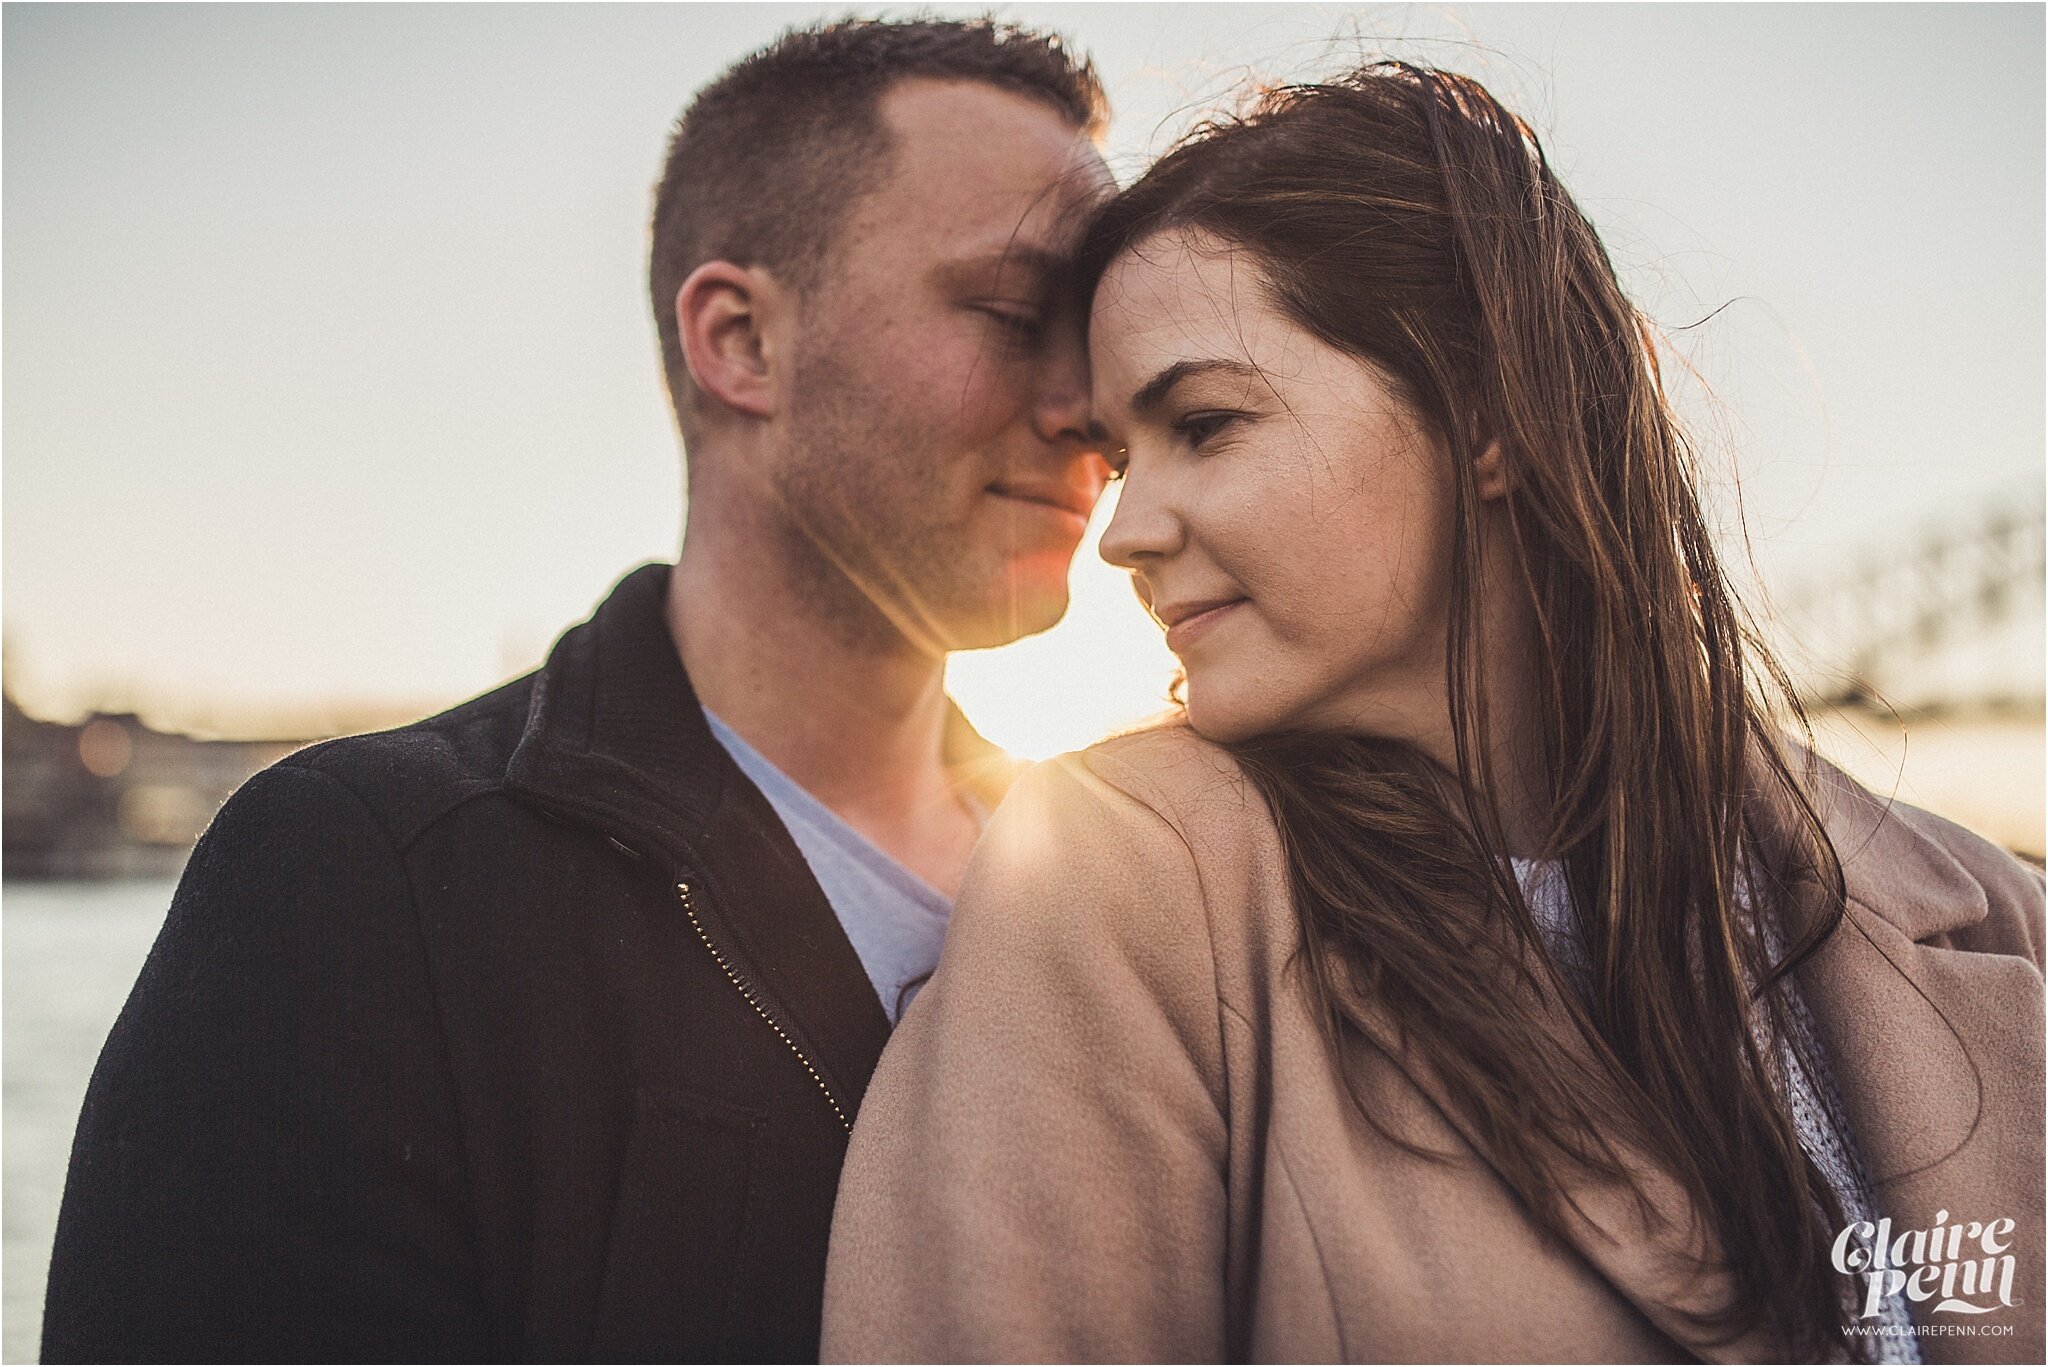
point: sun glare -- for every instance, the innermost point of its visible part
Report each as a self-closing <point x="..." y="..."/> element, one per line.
<point x="1102" y="668"/>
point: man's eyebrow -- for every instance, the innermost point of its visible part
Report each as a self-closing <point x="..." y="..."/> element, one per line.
<point x="1154" y="391"/>
<point x="1040" y="263"/>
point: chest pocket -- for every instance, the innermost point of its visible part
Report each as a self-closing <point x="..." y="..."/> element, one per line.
<point x="686" y="1194"/>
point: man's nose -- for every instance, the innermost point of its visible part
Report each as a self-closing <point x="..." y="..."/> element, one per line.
<point x="1144" y="529"/>
<point x="1059" y="412"/>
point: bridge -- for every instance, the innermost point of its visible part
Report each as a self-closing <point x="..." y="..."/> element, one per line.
<point x="1954" y="585"/>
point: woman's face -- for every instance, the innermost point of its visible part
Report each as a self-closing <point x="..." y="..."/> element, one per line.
<point x="1285" y="515"/>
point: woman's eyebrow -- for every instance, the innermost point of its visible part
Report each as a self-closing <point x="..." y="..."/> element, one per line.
<point x="1153" y="393"/>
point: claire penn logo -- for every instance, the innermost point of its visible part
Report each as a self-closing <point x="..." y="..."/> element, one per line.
<point x="1965" y="1265"/>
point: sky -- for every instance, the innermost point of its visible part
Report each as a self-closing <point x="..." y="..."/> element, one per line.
<point x="330" y="388"/>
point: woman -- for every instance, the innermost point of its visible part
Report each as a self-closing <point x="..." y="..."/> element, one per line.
<point x="1469" y="973"/>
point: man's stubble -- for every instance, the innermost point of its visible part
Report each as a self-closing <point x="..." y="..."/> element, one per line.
<point x="865" y="502"/>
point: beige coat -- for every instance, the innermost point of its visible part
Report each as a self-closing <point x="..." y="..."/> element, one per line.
<point x="1110" y="1129"/>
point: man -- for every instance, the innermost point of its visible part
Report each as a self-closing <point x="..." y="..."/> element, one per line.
<point x="535" y="1030"/>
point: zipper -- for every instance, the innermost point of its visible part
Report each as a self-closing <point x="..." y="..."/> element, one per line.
<point x="697" y="924"/>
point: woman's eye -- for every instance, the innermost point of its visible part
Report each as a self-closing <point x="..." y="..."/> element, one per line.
<point x="1197" y="429"/>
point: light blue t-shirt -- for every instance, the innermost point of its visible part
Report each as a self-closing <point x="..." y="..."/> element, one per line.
<point x="895" y="919"/>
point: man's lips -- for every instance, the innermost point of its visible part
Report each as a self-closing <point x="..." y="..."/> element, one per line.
<point x="1059" y="497"/>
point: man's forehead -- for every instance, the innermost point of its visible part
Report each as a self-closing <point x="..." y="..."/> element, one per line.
<point x="962" y="105"/>
<point x="988" y="161"/>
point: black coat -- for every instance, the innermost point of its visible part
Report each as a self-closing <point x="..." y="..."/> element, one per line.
<point x="523" y="1032"/>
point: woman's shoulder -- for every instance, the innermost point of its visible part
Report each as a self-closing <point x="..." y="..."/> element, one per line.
<point x="1159" y="785"/>
<point x="1084" y="901"/>
<point x="1195" y="785"/>
<point x="1152" y="826"/>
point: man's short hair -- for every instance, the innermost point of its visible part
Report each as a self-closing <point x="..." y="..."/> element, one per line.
<point x="768" y="161"/>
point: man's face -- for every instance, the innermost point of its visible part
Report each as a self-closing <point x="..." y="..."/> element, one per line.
<point x="935" y="461"/>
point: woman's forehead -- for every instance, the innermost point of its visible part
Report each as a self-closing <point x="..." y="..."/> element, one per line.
<point x="1178" y="297"/>
<point x="1180" y="272"/>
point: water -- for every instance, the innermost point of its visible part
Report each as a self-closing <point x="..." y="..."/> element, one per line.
<point x="72" y="951"/>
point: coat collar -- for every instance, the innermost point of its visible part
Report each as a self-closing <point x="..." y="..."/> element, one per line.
<point x="615" y="732"/>
<point x="1894" y="1014"/>
<point x="616" y="738"/>
<point x="1895" y="864"/>
<point x="1937" y="1051"/>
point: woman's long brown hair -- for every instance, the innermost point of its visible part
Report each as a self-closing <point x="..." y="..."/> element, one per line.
<point x="1405" y="217"/>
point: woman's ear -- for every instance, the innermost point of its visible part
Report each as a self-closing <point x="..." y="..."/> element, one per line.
<point x="725" y="315"/>
<point x="1490" y="472"/>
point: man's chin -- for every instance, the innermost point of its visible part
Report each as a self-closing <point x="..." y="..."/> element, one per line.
<point x="1031" y="607"/>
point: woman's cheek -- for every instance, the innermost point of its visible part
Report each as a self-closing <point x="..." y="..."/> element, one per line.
<point x="1248" y="683"/>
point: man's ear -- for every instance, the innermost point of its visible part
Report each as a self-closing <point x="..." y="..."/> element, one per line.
<point x="1490" y="472"/>
<point x="725" y="315"/>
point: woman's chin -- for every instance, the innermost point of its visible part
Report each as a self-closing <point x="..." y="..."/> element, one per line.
<point x="1226" y="720"/>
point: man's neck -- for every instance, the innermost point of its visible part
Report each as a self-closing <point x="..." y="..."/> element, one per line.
<point x="856" y="720"/>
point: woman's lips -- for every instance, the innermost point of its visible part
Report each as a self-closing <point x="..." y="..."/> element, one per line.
<point x="1189" y="626"/>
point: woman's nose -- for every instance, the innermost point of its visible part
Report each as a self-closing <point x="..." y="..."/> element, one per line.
<point x="1143" y="530"/>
